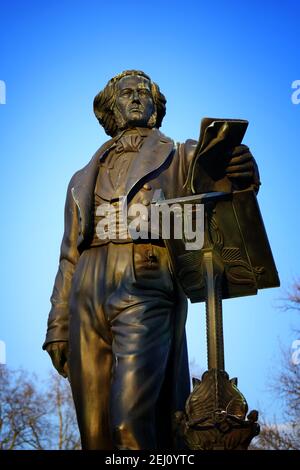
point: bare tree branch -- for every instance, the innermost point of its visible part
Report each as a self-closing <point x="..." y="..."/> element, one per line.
<point x="32" y="418"/>
<point x="286" y="386"/>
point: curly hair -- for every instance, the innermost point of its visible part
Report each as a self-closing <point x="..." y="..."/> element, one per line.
<point x="104" y="102"/>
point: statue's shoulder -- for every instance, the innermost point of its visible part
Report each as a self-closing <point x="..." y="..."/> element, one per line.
<point x="161" y="136"/>
<point x="187" y="149"/>
<point x="190" y="147"/>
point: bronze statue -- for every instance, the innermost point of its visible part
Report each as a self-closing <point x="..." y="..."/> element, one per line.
<point x="117" y="323"/>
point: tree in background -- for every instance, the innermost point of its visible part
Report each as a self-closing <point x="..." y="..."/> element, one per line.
<point x="31" y="418"/>
<point x="61" y="411"/>
<point x="286" y="386"/>
<point x="22" y="412"/>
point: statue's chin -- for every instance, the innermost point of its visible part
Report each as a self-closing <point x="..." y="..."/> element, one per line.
<point x="135" y="123"/>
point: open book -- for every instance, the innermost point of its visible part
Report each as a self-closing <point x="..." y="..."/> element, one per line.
<point x="217" y="138"/>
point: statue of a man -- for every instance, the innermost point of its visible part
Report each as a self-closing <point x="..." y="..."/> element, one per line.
<point x="117" y="323"/>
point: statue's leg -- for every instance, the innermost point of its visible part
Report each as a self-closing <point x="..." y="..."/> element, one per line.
<point x="90" y="372"/>
<point x="141" y="324"/>
<point x="122" y="318"/>
<point x="90" y="358"/>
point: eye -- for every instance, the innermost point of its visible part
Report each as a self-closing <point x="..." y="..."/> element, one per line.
<point x="144" y="92"/>
<point x="125" y="93"/>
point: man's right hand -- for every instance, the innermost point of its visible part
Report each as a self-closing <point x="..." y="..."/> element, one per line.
<point x="58" y="351"/>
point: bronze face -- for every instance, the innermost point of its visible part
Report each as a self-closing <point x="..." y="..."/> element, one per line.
<point x="134" y="104"/>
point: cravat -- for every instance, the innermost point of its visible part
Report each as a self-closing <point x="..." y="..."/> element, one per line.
<point x="129" y="143"/>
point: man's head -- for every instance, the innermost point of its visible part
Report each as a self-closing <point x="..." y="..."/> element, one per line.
<point x="130" y="99"/>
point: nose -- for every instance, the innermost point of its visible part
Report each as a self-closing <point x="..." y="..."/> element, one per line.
<point x="135" y="96"/>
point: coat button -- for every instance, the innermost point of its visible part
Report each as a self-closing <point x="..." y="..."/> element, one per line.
<point x="147" y="187"/>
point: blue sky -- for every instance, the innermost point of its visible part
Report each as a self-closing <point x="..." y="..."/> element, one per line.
<point x="220" y="59"/>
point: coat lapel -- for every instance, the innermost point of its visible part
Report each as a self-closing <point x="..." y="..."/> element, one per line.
<point x="83" y="189"/>
<point x="152" y="155"/>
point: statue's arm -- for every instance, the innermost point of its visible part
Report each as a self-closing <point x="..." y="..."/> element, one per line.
<point x="58" y="320"/>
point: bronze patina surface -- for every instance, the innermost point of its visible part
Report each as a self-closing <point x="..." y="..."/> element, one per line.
<point x="117" y="323"/>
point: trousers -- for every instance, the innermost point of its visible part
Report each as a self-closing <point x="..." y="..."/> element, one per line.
<point x="121" y="334"/>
